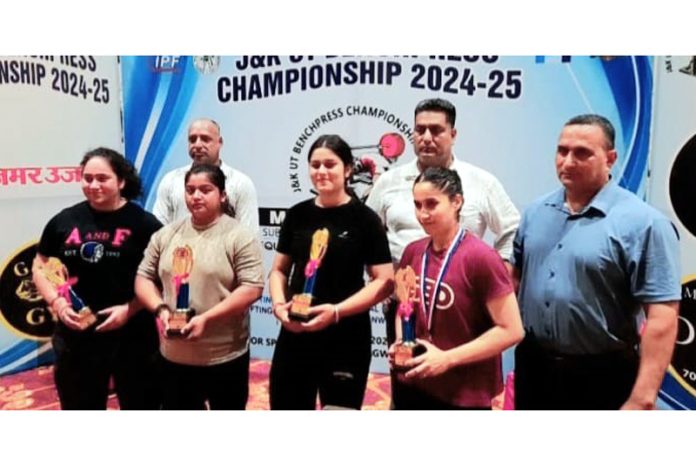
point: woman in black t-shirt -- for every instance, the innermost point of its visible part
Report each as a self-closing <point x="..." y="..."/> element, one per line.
<point x="330" y="353"/>
<point x="100" y="242"/>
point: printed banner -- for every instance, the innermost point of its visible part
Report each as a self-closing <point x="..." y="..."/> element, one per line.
<point x="672" y="190"/>
<point x="271" y="108"/>
<point x="54" y="109"/>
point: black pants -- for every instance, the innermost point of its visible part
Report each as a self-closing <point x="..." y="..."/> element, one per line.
<point x="224" y="386"/>
<point x="549" y="381"/>
<point x="82" y="371"/>
<point x="334" y="363"/>
<point x="137" y="378"/>
<point x="397" y="387"/>
<point x="85" y="364"/>
<point x="137" y="373"/>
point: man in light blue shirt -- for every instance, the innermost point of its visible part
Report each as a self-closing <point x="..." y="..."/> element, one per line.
<point x="588" y="257"/>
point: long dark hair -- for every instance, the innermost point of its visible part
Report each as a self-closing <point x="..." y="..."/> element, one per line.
<point x="342" y="150"/>
<point x="124" y="170"/>
<point x="217" y="178"/>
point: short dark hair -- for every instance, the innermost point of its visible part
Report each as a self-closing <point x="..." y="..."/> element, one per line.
<point x="124" y="170"/>
<point x="217" y="178"/>
<point x="439" y="105"/>
<point x="600" y="121"/>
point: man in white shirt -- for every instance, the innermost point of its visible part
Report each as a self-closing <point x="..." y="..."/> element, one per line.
<point x="204" y="144"/>
<point x="486" y="204"/>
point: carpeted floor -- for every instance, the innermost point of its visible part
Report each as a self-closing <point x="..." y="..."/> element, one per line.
<point x="34" y="390"/>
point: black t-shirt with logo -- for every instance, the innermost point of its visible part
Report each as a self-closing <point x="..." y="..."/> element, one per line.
<point x="356" y="239"/>
<point x="102" y="250"/>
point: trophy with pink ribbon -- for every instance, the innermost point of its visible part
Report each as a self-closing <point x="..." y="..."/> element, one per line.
<point x="301" y="302"/>
<point x="405" y="284"/>
<point x="182" y="264"/>
<point x="57" y="273"/>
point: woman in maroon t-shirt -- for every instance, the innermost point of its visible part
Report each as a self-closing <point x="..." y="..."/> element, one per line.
<point x="474" y="316"/>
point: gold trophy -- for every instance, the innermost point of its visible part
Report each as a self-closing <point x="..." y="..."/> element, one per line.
<point x="407" y="348"/>
<point x="57" y="274"/>
<point x="301" y="302"/>
<point x="182" y="263"/>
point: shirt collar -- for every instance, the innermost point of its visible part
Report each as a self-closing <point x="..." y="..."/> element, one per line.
<point x="413" y="166"/>
<point x="605" y="198"/>
<point x="600" y="203"/>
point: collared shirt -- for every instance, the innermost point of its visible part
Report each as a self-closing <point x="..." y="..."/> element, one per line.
<point x="486" y="206"/>
<point x="170" y="204"/>
<point x="585" y="275"/>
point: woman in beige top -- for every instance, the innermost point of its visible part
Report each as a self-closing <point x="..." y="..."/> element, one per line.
<point x="209" y="264"/>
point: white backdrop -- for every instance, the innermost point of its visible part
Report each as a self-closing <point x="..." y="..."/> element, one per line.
<point x="510" y="110"/>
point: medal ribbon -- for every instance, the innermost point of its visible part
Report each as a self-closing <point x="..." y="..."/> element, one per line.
<point x="404" y="310"/>
<point x="428" y="312"/>
<point x="312" y="267"/>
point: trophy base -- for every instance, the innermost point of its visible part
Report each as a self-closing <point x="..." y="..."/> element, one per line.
<point x="405" y="352"/>
<point x="86" y="318"/>
<point x="178" y="319"/>
<point x="299" y="311"/>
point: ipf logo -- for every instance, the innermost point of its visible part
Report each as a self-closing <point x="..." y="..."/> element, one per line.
<point x="166" y="63"/>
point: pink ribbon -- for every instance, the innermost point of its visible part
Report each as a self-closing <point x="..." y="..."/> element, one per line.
<point x="160" y="326"/>
<point x="178" y="280"/>
<point x="64" y="289"/>
<point x="311" y="268"/>
<point x="405" y="310"/>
